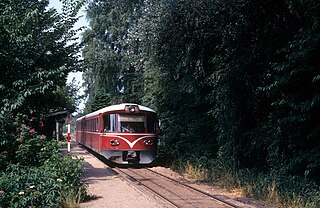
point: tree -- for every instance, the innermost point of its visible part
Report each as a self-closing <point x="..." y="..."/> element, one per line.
<point x="37" y="51"/>
<point x="237" y="78"/>
<point x="100" y="100"/>
<point x="295" y="89"/>
<point x="106" y="64"/>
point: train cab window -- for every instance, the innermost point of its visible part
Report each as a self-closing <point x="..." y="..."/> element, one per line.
<point x="131" y="123"/>
<point x="109" y="123"/>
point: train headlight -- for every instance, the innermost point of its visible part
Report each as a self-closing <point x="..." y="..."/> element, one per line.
<point x="114" y="142"/>
<point x="131" y="109"/>
<point x="148" y="142"/>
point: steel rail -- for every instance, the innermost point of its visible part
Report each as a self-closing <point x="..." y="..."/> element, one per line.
<point x="178" y="182"/>
<point x="131" y="178"/>
<point x="195" y="189"/>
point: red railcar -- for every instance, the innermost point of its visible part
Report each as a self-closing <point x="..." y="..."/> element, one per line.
<point x="124" y="133"/>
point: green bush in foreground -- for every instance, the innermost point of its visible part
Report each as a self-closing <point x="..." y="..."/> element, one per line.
<point x="43" y="186"/>
<point x="37" y="175"/>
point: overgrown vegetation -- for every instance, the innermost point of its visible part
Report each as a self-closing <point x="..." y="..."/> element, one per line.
<point x="36" y="55"/>
<point x="281" y="190"/>
<point x="37" y="174"/>
<point x="236" y="82"/>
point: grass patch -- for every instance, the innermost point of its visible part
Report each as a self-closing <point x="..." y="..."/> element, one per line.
<point x="283" y="191"/>
<point x="195" y="172"/>
<point x="72" y="198"/>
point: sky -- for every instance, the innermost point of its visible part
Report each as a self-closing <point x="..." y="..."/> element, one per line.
<point x="81" y="22"/>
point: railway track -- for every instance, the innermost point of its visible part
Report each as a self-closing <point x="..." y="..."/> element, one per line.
<point x="168" y="190"/>
<point x="176" y="193"/>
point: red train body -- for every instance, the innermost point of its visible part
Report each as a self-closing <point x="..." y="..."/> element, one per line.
<point x="124" y="133"/>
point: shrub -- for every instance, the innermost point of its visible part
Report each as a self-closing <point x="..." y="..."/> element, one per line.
<point x="7" y="142"/>
<point x="66" y="169"/>
<point x="40" y="176"/>
<point x="35" y="173"/>
<point x="33" y="149"/>
<point x="32" y="187"/>
<point x="43" y="186"/>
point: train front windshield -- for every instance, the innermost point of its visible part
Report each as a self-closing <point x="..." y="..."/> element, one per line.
<point x="138" y="123"/>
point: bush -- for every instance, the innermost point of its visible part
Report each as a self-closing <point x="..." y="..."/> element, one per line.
<point x="33" y="149"/>
<point x="66" y="169"/>
<point x="8" y="144"/>
<point x="32" y="187"/>
<point x="43" y="186"/>
<point x="36" y="174"/>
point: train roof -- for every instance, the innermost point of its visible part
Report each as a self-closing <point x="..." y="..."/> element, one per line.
<point x="117" y="107"/>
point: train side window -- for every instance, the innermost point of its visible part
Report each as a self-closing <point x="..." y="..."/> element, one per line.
<point x="92" y="124"/>
<point x="112" y="122"/>
<point x="109" y="123"/>
<point x="106" y="123"/>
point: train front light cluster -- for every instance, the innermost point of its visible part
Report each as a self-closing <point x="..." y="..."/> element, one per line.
<point x="131" y="109"/>
<point x="114" y="142"/>
<point x="148" y="142"/>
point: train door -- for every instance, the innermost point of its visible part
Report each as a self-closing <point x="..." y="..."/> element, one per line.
<point x="108" y="126"/>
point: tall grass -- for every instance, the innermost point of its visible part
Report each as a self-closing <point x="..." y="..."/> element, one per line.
<point x="283" y="191"/>
<point x="197" y="173"/>
<point x="72" y="198"/>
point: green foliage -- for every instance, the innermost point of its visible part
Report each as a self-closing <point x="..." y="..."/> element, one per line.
<point x="34" y="149"/>
<point x="68" y="169"/>
<point x="296" y="91"/>
<point x="107" y="66"/>
<point x="8" y="144"/>
<point x="37" y="175"/>
<point x="35" y="53"/>
<point x="100" y="100"/>
<point x="217" y="58"/>
<point x="33" y="172"/>
<point x="29" y="187"/>
<point x="232" y="81"/>
<point x="276" y="189"/>
<point x="42" y="186"/>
